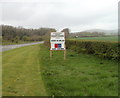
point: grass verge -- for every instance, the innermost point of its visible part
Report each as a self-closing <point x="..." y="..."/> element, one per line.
<point x="21" y="72"/>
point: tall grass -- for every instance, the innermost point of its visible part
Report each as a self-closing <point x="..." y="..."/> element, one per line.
<point x="78" y="75"/>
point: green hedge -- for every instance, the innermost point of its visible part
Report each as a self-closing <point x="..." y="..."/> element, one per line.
<point x="108" y="50"/>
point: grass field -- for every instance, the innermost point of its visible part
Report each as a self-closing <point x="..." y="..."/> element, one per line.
<point x="107" y="38"/>
<point x="19" y="42"/>
<point x="29" y="71"/>
<point x="79" y="75"/>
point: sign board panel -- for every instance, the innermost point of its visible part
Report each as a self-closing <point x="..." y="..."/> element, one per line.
<point x="57" y="41"/>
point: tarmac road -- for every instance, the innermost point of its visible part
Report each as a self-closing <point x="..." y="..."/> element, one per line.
<point x="9" y="47"/>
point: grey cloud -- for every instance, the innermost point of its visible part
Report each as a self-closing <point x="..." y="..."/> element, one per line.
<point x="57" y="15"/>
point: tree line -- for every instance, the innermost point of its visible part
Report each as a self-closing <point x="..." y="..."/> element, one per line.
<point x="14" y="34"/>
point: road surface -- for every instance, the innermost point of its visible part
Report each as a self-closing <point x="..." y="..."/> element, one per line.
<point x="9" y="47"/>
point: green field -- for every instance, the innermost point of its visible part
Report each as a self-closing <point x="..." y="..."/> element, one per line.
<point x="29" y="71"/>
<point x="107" y="38"/>
<point x="19" y="42"/>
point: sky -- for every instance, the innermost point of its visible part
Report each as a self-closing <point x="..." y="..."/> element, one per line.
<point x="77" y="15"/>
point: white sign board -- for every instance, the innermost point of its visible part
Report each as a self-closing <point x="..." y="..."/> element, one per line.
<point x="57" y="41"/>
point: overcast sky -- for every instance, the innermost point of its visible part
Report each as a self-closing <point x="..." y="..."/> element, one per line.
<point x="77" y="15"/>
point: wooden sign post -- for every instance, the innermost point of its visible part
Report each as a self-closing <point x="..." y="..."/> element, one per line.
<point x="57" y="42"/>
<point x="64" y="54"/>
<point x="50" y="54"/>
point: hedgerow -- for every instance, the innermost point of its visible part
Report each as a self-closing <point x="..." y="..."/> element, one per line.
<point x="103" y="49"/>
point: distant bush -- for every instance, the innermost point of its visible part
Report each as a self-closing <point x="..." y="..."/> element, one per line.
<point x="47" y="43"/>
<point x="108" y="50"/>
